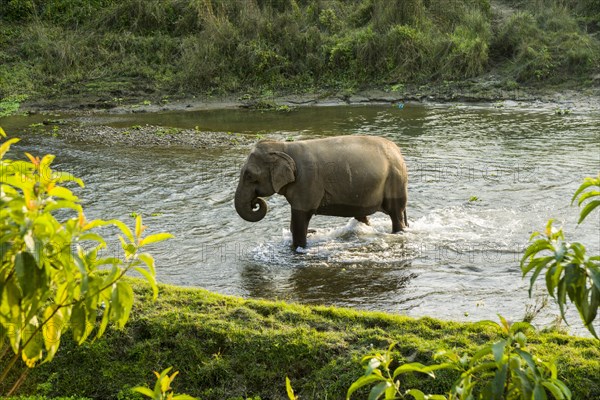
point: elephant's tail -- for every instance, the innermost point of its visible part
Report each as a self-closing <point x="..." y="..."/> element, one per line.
<point x="405" y="218"/>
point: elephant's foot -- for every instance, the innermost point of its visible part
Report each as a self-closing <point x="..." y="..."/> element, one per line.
<point x="364" y="220"/>
<point x="398" y="226"/>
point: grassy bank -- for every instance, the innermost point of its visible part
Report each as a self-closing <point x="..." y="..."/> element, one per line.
<point x="231" y="348"/>
<point x="155" y="48"/>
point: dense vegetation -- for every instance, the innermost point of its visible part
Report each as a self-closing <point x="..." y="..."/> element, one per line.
<point x="231" y="348"/>
<point x="160" y="47"/>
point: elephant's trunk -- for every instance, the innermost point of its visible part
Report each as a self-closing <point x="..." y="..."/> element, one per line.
<point x="245" y="206"/>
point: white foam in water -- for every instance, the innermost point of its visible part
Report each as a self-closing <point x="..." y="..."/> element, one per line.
<point x="458" y="229"/>
<point x="352" y="242"/>
<point x="462" y="224"/>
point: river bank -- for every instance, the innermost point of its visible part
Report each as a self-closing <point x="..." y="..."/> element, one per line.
<point x="232" y="348"/>
<point x="477" y="91"/>
<point x="79" y="118"/>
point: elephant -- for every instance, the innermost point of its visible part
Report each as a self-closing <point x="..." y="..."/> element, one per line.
<point x="345" y="176"/>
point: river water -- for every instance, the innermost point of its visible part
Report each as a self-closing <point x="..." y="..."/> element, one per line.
<point x="482" y="179"/>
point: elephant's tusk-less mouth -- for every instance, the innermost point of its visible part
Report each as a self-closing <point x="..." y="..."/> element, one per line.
<point x="255" y="204"/>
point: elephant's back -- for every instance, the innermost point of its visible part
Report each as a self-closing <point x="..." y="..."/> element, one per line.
<point x="351" y="144"/>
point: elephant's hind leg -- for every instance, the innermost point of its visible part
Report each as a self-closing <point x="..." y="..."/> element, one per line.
<point x="396" y="209"/>
<point x="364" y="220"/>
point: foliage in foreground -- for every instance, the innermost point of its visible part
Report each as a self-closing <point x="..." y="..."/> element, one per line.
<point x="569" y="271"/>
<point x="212" y="338"/>
<point x="162" y="387"/>
<point x="498" y="370"/>
<point x="122" y="46"/>
<point x="53" y="276"/>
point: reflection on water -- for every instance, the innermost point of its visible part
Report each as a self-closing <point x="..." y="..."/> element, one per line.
<point x="481" y="181"/>
<point x="351" y="284"/>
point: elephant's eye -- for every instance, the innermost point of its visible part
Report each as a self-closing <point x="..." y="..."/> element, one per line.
<point x="249" y="176"/>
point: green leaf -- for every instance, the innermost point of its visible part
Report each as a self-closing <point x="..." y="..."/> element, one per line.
<point x="97" y="223"/>
<point x="499" y="382"/>
<point x="534" y="248"/>
<point x="538" y="264"/>
<point x="483" y="367"/>
<point x="587" y="182"/>
<point x="363" y="381"/>
<point x="505" y="324"/>
<point x="124" y="228"/>
<point x="28" y="274"/>
<point x="104" y="322"/>
<point x="539" y="393"/>
<point x="553" y="389"/>
<point x="378" y="390"/>
<point x="561" y="298"/>
<point x="58" y="176"/>
<point x="151" y="280"/>
<point x="63" y="193"/>
<point x="52" y="330"/>
<point x="93" y="237"/>
<point x="149" y="261"/>
<point x="121" y="303"/>
<point x="6" y="146"/>
<point x="416" y="394"/>
<point x="529" y="360"/>
<point x="157" y="237"/>
<point x="79" y="323"/>
<point x="579" y="251"/>
<point x="585" y="196"/>
<point x="33" y="343"/>
<point x="563" y="388"/>
<point x="138" y="226"/>
<point x="391" y="391"/>
<point x="479" y="354"/>
<point x="498" y="351"/>
<point x="143" y="390"/>
<point x="526" y="384"/>
<point x="589" y="207"/>
<point x="593" y="311"/>
<point x="553" y="277"/>
<point x="415" y="367"/>
<point x="289" y="390"/>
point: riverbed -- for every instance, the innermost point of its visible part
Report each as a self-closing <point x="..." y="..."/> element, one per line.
<point x="482" y="179"/>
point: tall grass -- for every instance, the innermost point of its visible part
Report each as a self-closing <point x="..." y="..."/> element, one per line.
<point x="195" y="46"/>
<point x="544" y="41"/>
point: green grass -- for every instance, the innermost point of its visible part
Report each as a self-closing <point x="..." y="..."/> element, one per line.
<point x="155" y="47"/>
<point x="232" y="348"/>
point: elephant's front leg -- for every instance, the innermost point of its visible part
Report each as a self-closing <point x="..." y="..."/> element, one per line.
<point x="299" y="227"/>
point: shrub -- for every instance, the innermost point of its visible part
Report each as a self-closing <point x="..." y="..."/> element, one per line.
<point x="569" y="271"/>
<point x="499" y="370"/>
<point x="53" y="276"/>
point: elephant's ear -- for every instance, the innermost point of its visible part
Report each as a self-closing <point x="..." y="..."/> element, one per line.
<point x="283" y="170"/>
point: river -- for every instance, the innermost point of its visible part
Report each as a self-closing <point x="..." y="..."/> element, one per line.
<point x="482" y="179"/>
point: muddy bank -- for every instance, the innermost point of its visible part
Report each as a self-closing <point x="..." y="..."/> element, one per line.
<point x="479" y="91"/>
<point x="85" y="123"/>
